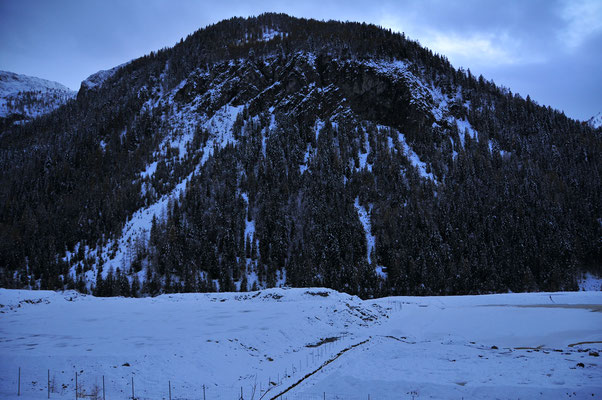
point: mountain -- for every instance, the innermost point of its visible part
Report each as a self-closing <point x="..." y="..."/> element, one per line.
<point x="596" y="121"/>
<point x="275" y="151"/>
<point x="25" y="97"/>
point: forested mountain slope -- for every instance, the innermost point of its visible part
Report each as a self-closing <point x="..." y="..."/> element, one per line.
<point x="282" y="151"/>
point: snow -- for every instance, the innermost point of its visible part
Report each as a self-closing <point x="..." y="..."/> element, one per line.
<point x="504" y="346"/>
<point x="493" y="145"/>
<point x="441" y="104"/>
<point x="136" y="228"/>
<point x="249" y="225"/>
<point x="269" y="34"/>
<point x="409" y="153"/>
<point x="250" y="229"/>
<point x="318" y="127"/>
<point x="590" y="282"/>
<point x="11" y="84"/>
<point x="281" y="278"/>
<point x="364" y="217"/>
<point x="393" y="68"/>
<point x="220" y="124"/>
<point x="380" y="272"/>
<point x="182" y="122"/>
<point x="149" y="171"/>
<point x="442" y="347"/>
<point x="454" y="152"/>
<point x="221" y="340"/>
<point x="363" y="157"/>
<point x="306" y="158"/>
<point x="465" y="127"/>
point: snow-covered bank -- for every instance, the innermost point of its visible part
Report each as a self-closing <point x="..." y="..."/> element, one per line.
<point x="502" y="346"/>
<point x="589" y="282"/>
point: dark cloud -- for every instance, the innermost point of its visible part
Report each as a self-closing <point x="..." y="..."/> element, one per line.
<point x="550" y="49"/>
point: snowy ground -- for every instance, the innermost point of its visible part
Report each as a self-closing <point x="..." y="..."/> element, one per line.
<point x="313" y="342"/>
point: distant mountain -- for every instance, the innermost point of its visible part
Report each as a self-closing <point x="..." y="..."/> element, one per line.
<point x="275" y="151"/>
<point x="596" y="121"/>
<point x="25" y="97"/>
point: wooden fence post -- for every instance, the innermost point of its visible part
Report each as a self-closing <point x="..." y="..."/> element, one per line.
<point x="19" y="384"/>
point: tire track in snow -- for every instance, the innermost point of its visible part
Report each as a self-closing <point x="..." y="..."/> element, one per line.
<point x="340" y="353"/>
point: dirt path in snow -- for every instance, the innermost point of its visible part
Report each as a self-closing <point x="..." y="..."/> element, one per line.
<point x="319" y="368"/>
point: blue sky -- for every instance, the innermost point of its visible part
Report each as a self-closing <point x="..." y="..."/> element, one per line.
<point x="549" y="49"/>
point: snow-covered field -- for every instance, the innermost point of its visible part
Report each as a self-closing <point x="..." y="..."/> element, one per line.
<point x="314" y="342"/>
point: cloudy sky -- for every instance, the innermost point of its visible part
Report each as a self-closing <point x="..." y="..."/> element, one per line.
<point x="549" y="49"/>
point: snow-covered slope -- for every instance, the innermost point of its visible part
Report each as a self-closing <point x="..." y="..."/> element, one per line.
<point x="595" y="121"/>
<point x="303" y="343"/>
<point x="30" y="97"/>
